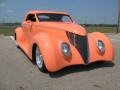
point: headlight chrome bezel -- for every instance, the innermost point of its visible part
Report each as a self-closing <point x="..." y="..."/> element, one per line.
<point x="65" y="49"/>
<point x="101" y="46"/>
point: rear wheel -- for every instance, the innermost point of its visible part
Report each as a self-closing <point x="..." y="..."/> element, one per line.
<point x="15" y="38"/>
<point x="39" y="60"/>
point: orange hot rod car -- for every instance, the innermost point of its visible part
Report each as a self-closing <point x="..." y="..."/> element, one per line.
<point x="53" y="41"/>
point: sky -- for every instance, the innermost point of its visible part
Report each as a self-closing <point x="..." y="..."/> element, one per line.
<point x="82" y="11"/>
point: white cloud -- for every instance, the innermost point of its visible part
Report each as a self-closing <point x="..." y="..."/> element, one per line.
<point x="2" y="4"/>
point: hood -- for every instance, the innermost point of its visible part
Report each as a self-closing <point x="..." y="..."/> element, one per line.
<point x="70" y="27"/>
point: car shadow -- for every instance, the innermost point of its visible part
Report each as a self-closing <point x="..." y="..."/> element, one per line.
<point x="81" y="68"/>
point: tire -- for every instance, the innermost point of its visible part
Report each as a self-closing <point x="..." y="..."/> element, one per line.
<point x="39" y="60"/>
<point x="15" y="38"/>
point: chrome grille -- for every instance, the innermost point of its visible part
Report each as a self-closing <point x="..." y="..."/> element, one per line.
<point x="81" y="44"/>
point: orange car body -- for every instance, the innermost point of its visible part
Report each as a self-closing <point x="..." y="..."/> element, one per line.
<point x="48" y="36"/>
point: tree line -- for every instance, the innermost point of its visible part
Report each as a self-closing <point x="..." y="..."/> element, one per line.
<point x="85" y="25"/>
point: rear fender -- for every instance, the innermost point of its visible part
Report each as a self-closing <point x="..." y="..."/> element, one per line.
<point x="19" y="35"/>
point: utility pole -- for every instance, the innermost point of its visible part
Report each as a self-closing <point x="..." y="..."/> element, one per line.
<point x="118" y="24"/>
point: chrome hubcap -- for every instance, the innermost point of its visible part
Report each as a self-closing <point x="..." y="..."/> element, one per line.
<point x="39" y="59"/>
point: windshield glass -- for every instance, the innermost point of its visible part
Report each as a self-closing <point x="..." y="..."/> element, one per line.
<point x="54" y="18"/>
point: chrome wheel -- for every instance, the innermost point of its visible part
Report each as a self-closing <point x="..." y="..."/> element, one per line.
<point x="39" y="59"/>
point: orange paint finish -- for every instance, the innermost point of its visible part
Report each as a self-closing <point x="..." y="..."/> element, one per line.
<point x="95" y="55"/>
<point x="49" y="36"/>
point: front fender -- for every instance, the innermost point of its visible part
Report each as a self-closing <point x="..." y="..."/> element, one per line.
<point x="47" y="47"/>
<point x="93" y="50"/>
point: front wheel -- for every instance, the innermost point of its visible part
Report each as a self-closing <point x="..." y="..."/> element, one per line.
<point x="39" y="60"/>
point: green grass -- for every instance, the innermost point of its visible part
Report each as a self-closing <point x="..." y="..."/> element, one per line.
<point x="101" y="29"/>
<point x="9" y="30"/>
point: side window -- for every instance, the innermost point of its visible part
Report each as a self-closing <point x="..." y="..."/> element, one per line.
<point x="31" y="17"/>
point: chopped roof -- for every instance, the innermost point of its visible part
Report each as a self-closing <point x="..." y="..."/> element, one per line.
<point x="39" y="11"/>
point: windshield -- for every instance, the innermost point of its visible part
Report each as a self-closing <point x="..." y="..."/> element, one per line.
<point x="54" y="17"/>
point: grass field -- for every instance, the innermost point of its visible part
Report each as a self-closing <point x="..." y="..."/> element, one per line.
<point x="102" y="29"/>
<point x="9" y="30"/>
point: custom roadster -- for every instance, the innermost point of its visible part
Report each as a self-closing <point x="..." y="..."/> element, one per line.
<point x="53" y="41"/>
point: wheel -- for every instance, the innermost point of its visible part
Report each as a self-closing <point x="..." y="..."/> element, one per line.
<point x="39" y="60"/>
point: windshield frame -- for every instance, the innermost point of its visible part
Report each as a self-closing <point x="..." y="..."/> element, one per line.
<point x="71" y="21"/>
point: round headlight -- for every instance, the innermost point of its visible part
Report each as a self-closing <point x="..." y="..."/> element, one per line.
<point x="101" y="46"/>
<point x="65" y="48"/>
